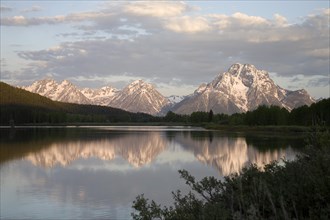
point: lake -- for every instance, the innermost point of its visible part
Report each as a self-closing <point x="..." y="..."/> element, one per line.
<point x="96" y="172"/>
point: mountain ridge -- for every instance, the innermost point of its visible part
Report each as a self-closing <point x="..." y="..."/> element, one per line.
<point x="138" y="96"/>
<point x="241" y="88"/>
<point x="24" y="107"/>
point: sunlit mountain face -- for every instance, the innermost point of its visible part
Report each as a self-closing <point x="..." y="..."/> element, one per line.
<point x="146" y="148"/>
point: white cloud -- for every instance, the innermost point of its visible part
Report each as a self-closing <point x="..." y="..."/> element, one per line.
<point x="280" y="20"/>
<point x="156" y="9"/>
<point x="188" y="24"/>
<point x="248" y="21"/>
<point x="19" y="20"/>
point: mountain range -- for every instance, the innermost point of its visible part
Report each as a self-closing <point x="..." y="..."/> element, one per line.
<point x="242" y="88"/>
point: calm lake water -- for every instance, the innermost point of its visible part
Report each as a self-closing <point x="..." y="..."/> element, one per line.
<point x="96" y="172"/>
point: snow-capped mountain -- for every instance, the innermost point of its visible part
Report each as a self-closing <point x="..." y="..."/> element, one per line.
<point x="240" y="89"/>
<point x="63" y="92"/>
<point x="101" y="96"/>
<point x="174" y="99"/>
<point x="140" y="96"/>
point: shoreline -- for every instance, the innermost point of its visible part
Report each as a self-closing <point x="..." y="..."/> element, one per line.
<point x="207" y="126"/>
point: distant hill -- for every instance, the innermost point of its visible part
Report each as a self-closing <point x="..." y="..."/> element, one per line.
<point x="26" y="107"/>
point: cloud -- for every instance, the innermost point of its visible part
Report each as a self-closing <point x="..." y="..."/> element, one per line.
<point x="156" y="9"/>
<point x="188" y="24"/>
<point x="238" y="21"/>
<point x="248" y="21"/>
<point x="280" y="20"/>
<point x="5" y="8"/>
<point x="21" y="20"/>
<point x="322" y="53"/>
<point x="319" y="81"/>
<point x="58" y="19"/>
<point x="34" y="8"/>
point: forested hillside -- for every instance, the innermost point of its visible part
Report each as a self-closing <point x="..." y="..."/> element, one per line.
<point x="23" y="107"/>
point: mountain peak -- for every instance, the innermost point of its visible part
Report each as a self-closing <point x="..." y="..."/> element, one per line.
<point x="138" y="82"/>
<point x="242" y="88"/>
<point x="237" y="68"/>
<point x="140" y="96"/>
<point x="66" y="82"/>
<point x="139" y="86"/>
<point x="47" y="80"/>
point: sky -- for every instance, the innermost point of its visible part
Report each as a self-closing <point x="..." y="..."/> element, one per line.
<point x="174" y="45"/>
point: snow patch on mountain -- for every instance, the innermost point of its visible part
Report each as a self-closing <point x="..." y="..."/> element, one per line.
<point x="102" y="96"/>
<point x="173" y="99"/>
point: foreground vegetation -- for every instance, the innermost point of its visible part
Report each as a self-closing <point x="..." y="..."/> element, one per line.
<point x="298" y="189"/>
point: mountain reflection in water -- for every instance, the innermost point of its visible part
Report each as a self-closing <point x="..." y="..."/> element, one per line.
<point x="227" y="154"/>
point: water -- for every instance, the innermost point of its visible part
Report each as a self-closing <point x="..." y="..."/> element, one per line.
<point x="96" y="172"/>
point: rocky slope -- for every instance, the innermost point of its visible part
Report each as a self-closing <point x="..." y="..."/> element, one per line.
<point x="102" y="96"/>
<point x="140" y="96"/>
<point x="63" y="92"/>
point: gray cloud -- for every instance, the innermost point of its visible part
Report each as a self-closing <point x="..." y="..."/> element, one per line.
<point x="3" y="62"/>
<point x="319" y="82"/>
<point x="5" y="8"/>
<point x="34" y="8"/>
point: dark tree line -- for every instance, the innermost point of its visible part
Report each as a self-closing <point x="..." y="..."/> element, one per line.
<point x="19" y="114"/>
<point x="316" y="114"/>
